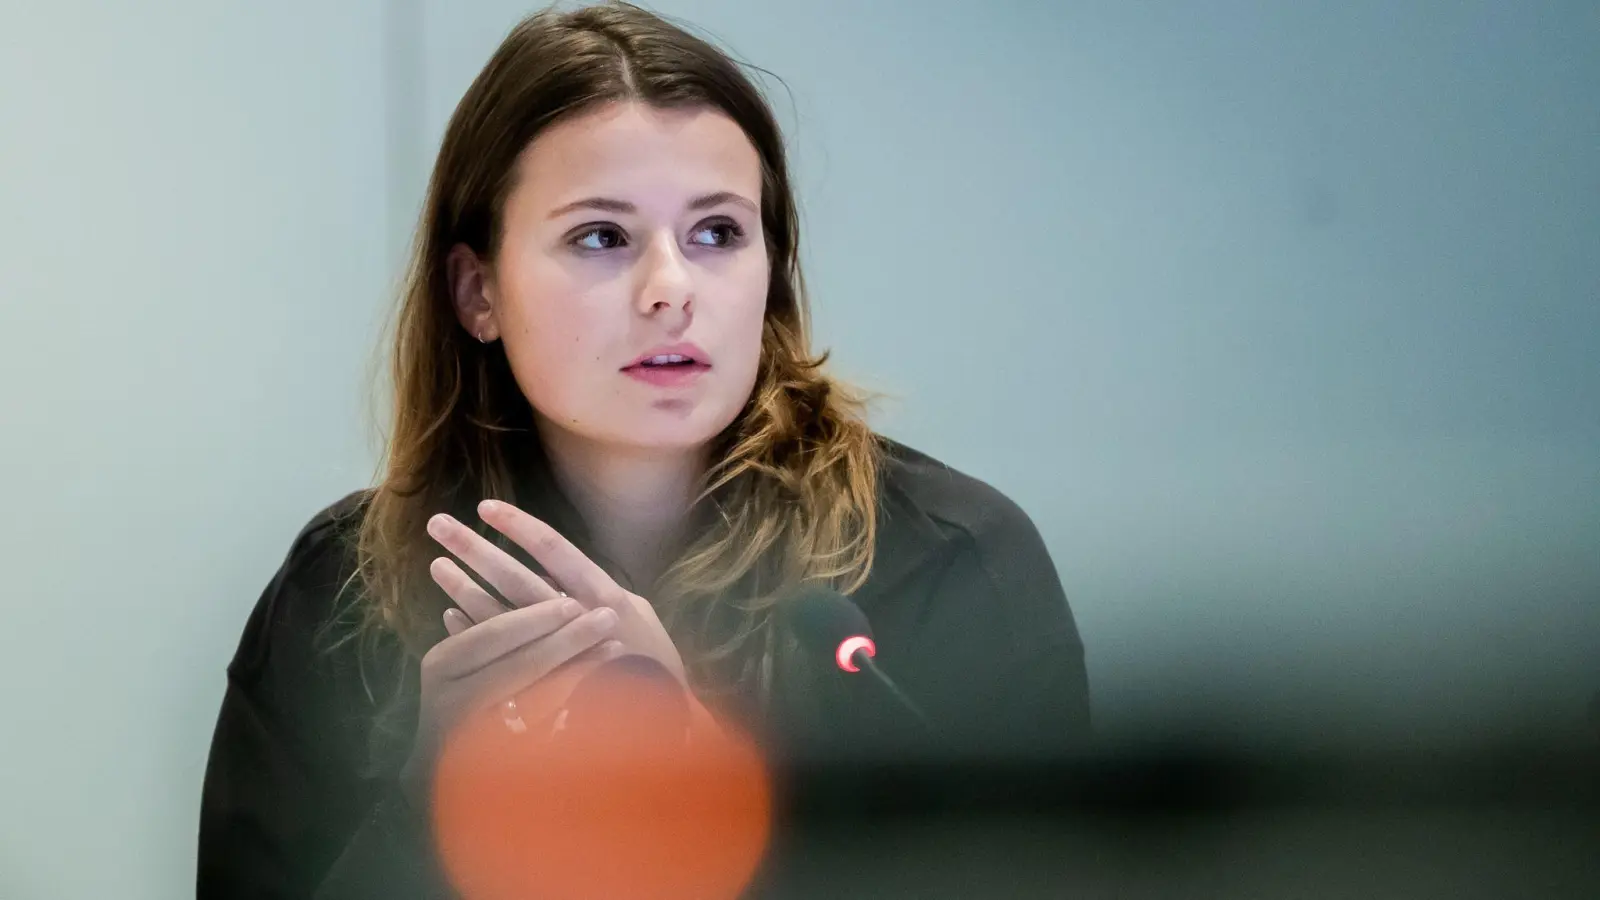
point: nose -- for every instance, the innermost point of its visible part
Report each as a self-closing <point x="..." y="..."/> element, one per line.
<point x="665" y="283"/>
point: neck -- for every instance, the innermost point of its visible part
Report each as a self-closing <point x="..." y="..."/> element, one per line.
<point x="634" y="500"/>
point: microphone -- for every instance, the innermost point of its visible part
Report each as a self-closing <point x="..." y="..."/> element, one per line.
<point x="828" y="623"/>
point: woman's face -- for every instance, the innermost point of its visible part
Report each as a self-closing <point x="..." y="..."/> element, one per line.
<point x="631" y="280"/>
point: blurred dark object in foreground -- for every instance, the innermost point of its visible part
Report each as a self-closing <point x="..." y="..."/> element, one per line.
<point x="1511" y="823"/>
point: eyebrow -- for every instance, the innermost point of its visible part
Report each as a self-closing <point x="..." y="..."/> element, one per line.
<point x="607" y="204"/>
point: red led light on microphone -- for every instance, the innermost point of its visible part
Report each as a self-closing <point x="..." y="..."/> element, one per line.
<point x="845" y="656"/>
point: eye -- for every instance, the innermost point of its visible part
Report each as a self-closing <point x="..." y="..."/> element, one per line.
<point x="723" y="233"/>
<point x="599" y="237"/>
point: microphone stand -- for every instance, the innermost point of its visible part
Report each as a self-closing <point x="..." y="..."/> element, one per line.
<point x="863" y="661"/>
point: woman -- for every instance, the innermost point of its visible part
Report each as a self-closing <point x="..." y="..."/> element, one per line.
<point x="610" y="437"/>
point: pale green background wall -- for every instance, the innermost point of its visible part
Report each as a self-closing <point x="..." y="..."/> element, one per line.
<point x="1281" y="323"/>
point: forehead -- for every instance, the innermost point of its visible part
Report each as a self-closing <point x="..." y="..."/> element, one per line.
<point x="630" y="148"/>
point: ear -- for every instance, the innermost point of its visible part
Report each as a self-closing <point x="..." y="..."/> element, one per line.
<point x="472" y="292"/>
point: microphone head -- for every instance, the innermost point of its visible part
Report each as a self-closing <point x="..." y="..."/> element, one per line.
<point x="827" y="622"/>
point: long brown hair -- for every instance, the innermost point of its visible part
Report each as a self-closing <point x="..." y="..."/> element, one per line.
<point x="792" y="494"/>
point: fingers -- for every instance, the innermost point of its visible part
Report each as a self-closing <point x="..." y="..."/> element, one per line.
<point x="475" y="602"/>
<point x="511" y="578"/>
<point x="482" y="645"/>
<point x="565" y="563"/>
<point x="531" y="662"/>
<point x="606" y="650"/>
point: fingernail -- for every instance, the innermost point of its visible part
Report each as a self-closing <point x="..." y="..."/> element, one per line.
<point x="488" y="507"/>
<point x="606" y="616"/>
<point x="612" y="647"/>
<point x="570" y="608"/>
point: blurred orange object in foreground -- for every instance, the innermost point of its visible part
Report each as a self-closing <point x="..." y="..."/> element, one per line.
<point x="614" y="784"/>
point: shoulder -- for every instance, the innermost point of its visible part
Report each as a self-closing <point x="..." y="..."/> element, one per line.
<point x="959" y="504"/>
<point x="304" y="593"/>
<point x="305" y="688"/>
<point x="969" y="612"/>
<point x="931" y="509"/>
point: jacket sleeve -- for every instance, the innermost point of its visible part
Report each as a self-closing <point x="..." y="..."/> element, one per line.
<point x="1042" y="693"/>
<point x="287" y="807"/>
<point x="1004" y="663"/>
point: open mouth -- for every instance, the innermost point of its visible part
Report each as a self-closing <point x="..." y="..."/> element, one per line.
<point x="669" y="367"/>
<point x="668" y="361"/>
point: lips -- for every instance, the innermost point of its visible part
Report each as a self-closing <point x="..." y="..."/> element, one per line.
<point x="668" y="375"/>
<point x="668" y="356"/>
<point x="667" y="366"/>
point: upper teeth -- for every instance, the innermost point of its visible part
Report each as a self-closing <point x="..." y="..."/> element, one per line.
<point x="663" y="360"/>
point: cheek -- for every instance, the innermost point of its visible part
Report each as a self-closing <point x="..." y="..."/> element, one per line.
<point x="558" y="330"/>
<point x="746" y="319"/>
<point x="750" y="324"/>
<point x="566" y="329"/>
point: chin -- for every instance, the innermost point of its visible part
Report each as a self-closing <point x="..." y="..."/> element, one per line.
<point x="669" y="439"/>
<point x="668" y="430"/>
